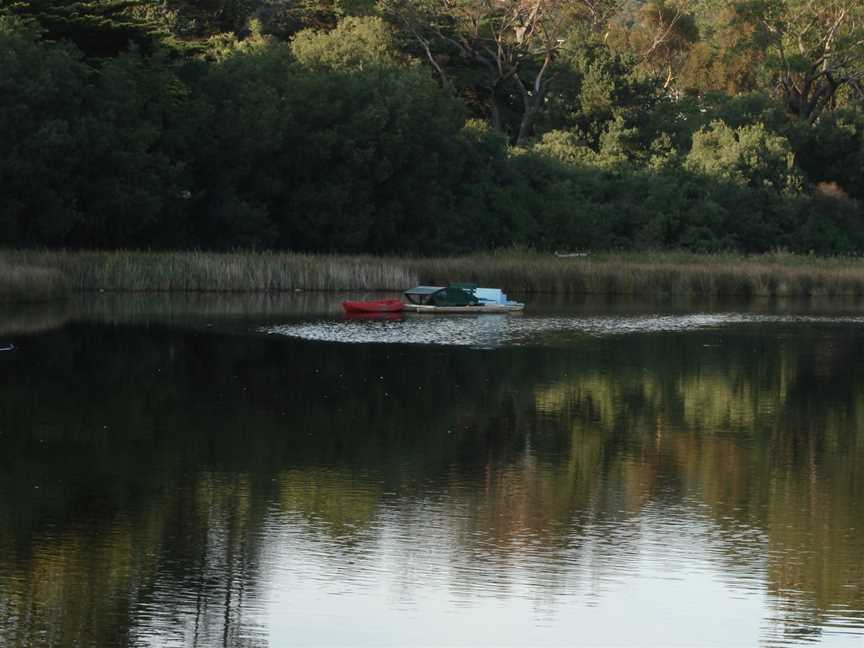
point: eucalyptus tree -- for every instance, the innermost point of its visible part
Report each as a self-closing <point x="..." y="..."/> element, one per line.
<point x="662" y="23"/>
<point x="660" y="34"/>
<point x="505" y="49"/>
<point x="722" y="59"/>
<point x="815" y="49"/>
<point x="597" y="14"/>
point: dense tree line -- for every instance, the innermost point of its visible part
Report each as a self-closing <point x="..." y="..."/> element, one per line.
<point x="431" y="125"/>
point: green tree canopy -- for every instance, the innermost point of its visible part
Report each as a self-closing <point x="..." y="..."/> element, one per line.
<point x="97" y="27"/>
<point x="354" y="44"/>
<point x="748" y="155"/>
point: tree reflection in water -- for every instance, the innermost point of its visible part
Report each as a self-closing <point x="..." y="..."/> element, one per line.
<point x="152" y="480"/>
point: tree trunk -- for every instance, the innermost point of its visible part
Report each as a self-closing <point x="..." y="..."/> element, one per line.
<point x="497" y="121"/>
<point x="527" y="122"/>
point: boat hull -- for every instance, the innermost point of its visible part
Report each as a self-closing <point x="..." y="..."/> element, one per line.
<point x="485" y="308"/>
<point x="383" y="316"/>
<point x="379" y="306"/>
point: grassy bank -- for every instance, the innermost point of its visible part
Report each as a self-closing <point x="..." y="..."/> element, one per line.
<point x="624" y="274"/>
<point x="25" y="283"/>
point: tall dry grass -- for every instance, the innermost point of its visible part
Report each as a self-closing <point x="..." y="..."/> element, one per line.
<point x="26" y="283"/>
<point x="208" y="271"/>
<point x="671" y="273"/>
<point x="653" y="274"/>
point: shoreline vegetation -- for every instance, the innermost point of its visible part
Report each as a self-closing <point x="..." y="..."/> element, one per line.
<point x="32" y="275"/>
<point x="26" y="283"/>
<point x="368" y="134"/>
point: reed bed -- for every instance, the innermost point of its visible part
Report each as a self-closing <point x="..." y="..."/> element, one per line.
<point x="662" y="274"/>
<point x="669" y="273"/>
<point x="226" y="272"/>
<point x="24" y="283"/>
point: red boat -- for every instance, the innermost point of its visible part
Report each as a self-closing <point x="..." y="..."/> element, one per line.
<point x="379" y="306"/>
<point x="378" y="317"/>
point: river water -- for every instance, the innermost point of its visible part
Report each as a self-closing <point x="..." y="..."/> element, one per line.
<point x="259" y="471"/>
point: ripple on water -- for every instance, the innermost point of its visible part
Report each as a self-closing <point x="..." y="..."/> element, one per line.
<point x="490" y="331"/>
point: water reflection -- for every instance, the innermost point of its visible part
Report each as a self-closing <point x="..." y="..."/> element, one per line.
<point x="173" y="486"/>
<point x="18" y="319"/>
<point x="490" y="331"/>
<point x="272" y="309"/>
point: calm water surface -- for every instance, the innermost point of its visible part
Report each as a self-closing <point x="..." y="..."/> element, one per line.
<point x="258" y="471"/>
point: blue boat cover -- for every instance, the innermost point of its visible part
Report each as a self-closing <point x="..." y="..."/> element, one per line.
<point x="490" y="295"/>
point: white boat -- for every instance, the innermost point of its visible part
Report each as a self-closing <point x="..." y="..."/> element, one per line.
<point x="511" y="307"/>
<point x="459" y="298"/>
